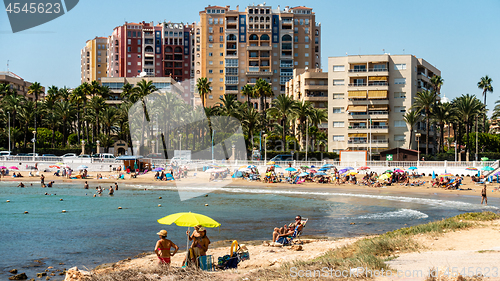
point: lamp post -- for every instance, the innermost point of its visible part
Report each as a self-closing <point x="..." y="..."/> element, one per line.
<point x="265" y="147"/>
<point x="83" y="147"/>
<point x="476" y="139"/>
<point x="180" y="143"/>
<point x="418" y="135"/>
<point x="307" y="135"/>
<point x="8" y="112"/>
<point x="34" y="144"/>
<point x="98" y="143"/>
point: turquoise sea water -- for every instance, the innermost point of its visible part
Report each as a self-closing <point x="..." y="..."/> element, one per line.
<point x="95" y="231"/>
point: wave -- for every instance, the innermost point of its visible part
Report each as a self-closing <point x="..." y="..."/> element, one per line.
<point x="447" y="204"/>
<point x="399" y="214"/>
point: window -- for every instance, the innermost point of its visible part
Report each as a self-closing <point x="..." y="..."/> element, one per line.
<point x="296" y="39"/>
<point x="400" y="109"/>
<point x="307" y="21"/>
<point x="221" y="71"/>
<point x="399" y="124"/>
<point x="296" y="30"/>
<point x="301" y="22"/>
<point x="221" y="29"/>
<point x="338" y="82"/>
<point x="129" y="49"/>
<point x="210" y="79"/>
<point x="338" y="138"/>
<point x="221" y="80"/>
<point x="138" y="41"/>
<point x="306" y="55"/>
<point x="129" y="63"/>
<point x="399" y="95"/>
<point x="400" y="81"/>
<point x="400" y="66"/>
<point x="221" y="38"/>
<point x="129" y="41"/>
<point x="306" y="46"/>
<point x="210" y="71"/>
<point x="210" y="62"/>
<point x="338" y="110"/>
<point x="210" y="38"/>
<point x="339" y="124"/>
<point x="306" y="39"/>
<point x="210" y="54"/>
<point x="210" y="96"/>
<point x="210" y="29"/>
<point x="338" y="96"/>
<point x="221" y="54"/>
<point x="296" y="21"/>
<point x="338" y="68"/>
<point x="216" y="21"/>
<point x="138" y="63"/>
<point x="307" y="30"/>
<point x="221" y="89"/>
<point x="210" y="20"/>
<point x="399" y="137"/>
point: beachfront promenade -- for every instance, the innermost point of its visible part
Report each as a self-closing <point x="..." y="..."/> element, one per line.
<point x="25" y="163"/>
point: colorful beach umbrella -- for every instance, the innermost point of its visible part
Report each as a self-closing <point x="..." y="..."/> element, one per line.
<point x="384" y="176"/>
<point x="412" y="168"/>
<point x="343" y="171"/>
<point x="290" y="169"/>
<point x="328" y="166"/>
<point x="446" y="175"/>
<point x="320" y="174"/>
<point x="303" y="174"/>
<point x="471" y="169"/>
<point x="349" y="168"/>
<point x="388" y="171"/>
<point x="399" y="171"/>
<point x="363" y="168"/>
<point x="3" y="167"/>
<point x="54" y="166"/>
<point x="271" y="163"/>
<point x="323" y="169"/>
<point x="158" y="169"/>
<point x="352" y="173"/>
<point x="277" y="166"/>
<point x="252" y="167"/>
<point x="13" y="168"/>
<point x="305" y="166"/>
<point x="487" y="168"/>
<point x="311" y="171"/>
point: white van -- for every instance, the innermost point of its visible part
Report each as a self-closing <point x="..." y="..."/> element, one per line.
<point x="103" y="156"/>
<point x="5" y="153"/>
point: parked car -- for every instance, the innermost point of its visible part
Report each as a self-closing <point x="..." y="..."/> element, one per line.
<point x="103" y="156"/>
<point x="155" y="156"/>
<point x="84" y="156"/>
<point x="282" y="157"/>
<point x="5" y="153"/>
<point x="69" y="155"/>
<point x="48" y="155"/>
<point x="31" y="154"/>
<point x="22" y="154"/>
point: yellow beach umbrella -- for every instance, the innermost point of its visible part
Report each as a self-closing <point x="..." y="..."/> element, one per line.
<point x="271" y="163"/>
<point x="352" y="173"/>
<point x="189" y="220"/>
<point x="384" y="176"/>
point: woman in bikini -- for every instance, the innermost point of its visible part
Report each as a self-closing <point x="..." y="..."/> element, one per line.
<point x="162" y="248"/>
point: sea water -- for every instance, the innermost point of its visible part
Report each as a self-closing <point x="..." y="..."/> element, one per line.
<point x="93" y="230"/>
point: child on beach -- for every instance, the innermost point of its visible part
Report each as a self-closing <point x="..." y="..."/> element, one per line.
<point x="162" y="248"/>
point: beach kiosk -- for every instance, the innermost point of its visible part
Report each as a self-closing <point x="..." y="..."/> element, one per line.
<point x="132" y="163"/>
<point x="399" y="154"/>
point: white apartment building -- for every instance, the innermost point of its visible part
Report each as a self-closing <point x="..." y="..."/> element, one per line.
<point x="367" y="98"/>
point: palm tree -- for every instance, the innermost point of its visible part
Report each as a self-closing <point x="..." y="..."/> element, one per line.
<point x="424" y="101"/>
<point x="229" y="106"/>
<point x="13" y="103"/>
<point x="96" y="105"/>
<point x="248" y="91"/>
<point x="35" y="89"/>
<point x="109" y="118"/>
<point x="126" y="91"/>
<point x="282" y="108"/>
<point x="262" y="90"/>
<point x="65" y="112"/>
<point x="302" y="111"/>
<point x="412" y="118"/>
<point x="441" y="114"/>
<point x="26" y="116"/>
<point x="468" y="106"/>
<point x="485" y="85"/>
<point x="105" y="141"/>
<point x="317" y="117"/>
<point x="64" y="94"/>
<point x="4" y="89"/>
<point x="78" y="97"/>
<point x="139" y="93"/>
<point x="437" y="83"/>
<point x="204" y="87"/>
<point x="250" y="120"/>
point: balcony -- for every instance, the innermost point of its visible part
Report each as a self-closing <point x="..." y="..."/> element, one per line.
<point x="316" y="87"/>
<point x="378" y="83"/>
<point x="379" y="114"/>
<point x="366" y="101"/>
<point x="377" y="143"/>
<point x="374" y="129"/>
<point x="357" y="84"/>
<point x="231" y="91"/>
<point x="259" y="48"/>
<point x="357" y="116"/>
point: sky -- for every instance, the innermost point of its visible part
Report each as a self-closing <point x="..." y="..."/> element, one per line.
<point x="461" y="38"/>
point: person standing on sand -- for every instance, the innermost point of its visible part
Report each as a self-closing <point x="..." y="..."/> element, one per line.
<point x="483" y="196"/>
<point x="162" y="248"/>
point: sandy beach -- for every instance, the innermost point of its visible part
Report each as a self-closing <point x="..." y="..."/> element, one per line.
<point x="493" y="189"/>
<point x="477" y="247"/>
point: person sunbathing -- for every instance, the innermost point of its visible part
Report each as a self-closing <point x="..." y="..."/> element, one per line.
<point x="280" y="232"/>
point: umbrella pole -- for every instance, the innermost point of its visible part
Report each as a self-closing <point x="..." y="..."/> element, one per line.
<point x="187" y="249"/>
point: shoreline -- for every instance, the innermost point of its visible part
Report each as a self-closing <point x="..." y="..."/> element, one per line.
<point x="202" y="179"/>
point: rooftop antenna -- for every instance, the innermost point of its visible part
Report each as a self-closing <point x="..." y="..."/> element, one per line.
<point x="8" y="66"/>
<point x="383" y="50"/>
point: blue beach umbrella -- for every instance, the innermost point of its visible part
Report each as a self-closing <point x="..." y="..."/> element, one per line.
<point x="320" y="174"/>
<point x="290" y="169"/>
<point x="323" y="169"/>
<point x="252" y="167"/>
<point x="343" y="171"/>
<point x="158" y="169"/>
<point x="328" y="166"/>
<point x="412" y="168"/>
<point x="303" y="174"/>
<point x="433" y="175"/>
<point x="349" y="168"/>
<point x="277" y="166"/>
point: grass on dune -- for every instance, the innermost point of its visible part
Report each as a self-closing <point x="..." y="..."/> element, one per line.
<point x="371" y="253"/>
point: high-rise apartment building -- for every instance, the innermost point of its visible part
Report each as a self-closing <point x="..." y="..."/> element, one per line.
<point x="236" y="48"/>
<point x="94" y="60"/>
<point x="309" y="85"/>
<point x="367" y="98"/>
<point x="19" y="85"/>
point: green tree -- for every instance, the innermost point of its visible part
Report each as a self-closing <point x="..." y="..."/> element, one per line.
<point x="229" y="106"/>
<point x="203" y="87"/>
<point x="282" y="108"/>
<point x="302" y="111"/>
<point x="66" y="113"/>
<point x="485" y="85"/>
<point x="249" y="93"/>
<point x="262" y="90"/>
<point x="468" y="107"/>
<point x="424" y="102"/>
<point x="441" y="114"/>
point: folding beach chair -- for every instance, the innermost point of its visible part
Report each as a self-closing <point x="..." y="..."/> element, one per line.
<point x="205" y="263"/>
<point x="303" y="222"/>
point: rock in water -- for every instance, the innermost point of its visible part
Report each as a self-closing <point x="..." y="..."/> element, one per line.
<point x="13" y="271"/>
<point x="41" y="274"/>
<point x="21" y="276"/>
